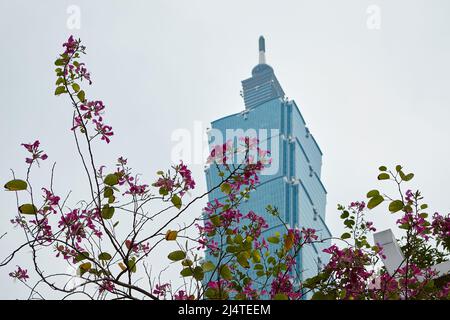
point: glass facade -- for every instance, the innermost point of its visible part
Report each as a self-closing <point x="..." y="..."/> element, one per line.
<point x="293" y="185"/>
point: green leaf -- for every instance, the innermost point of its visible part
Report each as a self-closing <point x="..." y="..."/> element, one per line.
<point x="187" y="263"/>
<point x="375" y="201"/>
<point x="111" y="179"/>
<point x="382" y="168"/>
<point x="345" y="214"/>
<point x="60" y="90"/>
<point x="395" y="206"/>
<point x="176" y="200"/>
<point x="225" y="272"/>
<point x="104" y="256"/>
<point x="108" y="192"/>
<point x="256" y="256"/>
<point x="280" y="296"/>
<point x="85" y="267"/>
<point x="274" y="240"/>
<point x="322" y="296"/>
<point x="208" y="266"/>
<point x="242" y="259"/>
<point x="198" y="273"/>
<point x="81" y="256"/>
<point x="225" y="188"/>
<point x="408" y="177"/>
<point x="211" y="293"/>
<point x="59" y="62"/>
<point x="81" y="96"/>
<point x="423" y="206"/>
<point x="372" y="193"/>
<point x="186" y="272"/>
<point x="260" y="273"/>
<point x="345" y="235"/>
<point x="59" y="81"/>
<point x="107" y="212"/>
<point x="177" y="255"/>
<point x="398" y="168"/>
<point x="16" y="185"/>
<point x="132" y="264"/>
<point x="163" y="191"/>
<point x="258" y="267"/>
<point x="75" y="87"/>
<point x="27" y="208"/>
<point x="383" y="176"/>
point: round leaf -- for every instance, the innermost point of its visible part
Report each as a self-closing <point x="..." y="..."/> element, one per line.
<point x="395" y="206"/>
<point x="177" y="255"/>
<point x="81" y="256"/>
<point x="186" y="272"/>
<point x="111" y="179"/>
<point x="107" y="212"/>
<point x="176" y="201"/>
<point x="28" y="208"/>
<point x="225" y="272"/>
<point x="345" y="236"/>
<point x="225" y="188"/>
<point x="198" y="273"/>
<point x="372" y="193"/>
<point x="16" y="185"/>
<point x="274" y="240"/>
<point x="375" y="201"/>
<point x="104" y="256"/>
<point x="60" y="90"/>
<point x="383" y="176"/>
<point x="280" y="296"/>
<point x="208" y="266"/>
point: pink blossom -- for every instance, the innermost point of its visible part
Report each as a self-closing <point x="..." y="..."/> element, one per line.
<point x="36" y="154"/>
<point x="161" y="289"/>
<point x="181" y="295"/>
<point x="106" y="285"/>
<point x="21" y="274"/>
<point x="71" y="45"/>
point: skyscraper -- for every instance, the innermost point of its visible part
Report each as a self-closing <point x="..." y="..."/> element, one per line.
<point x="293" y="182"/>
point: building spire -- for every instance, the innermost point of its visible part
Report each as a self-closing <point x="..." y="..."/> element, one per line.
<point x="262" y="50"/>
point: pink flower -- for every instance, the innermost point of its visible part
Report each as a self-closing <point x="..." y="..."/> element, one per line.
<point x="122" y="161"/>
<point x="21" y="274"/>
<point x="106" y="285"/>
<point x="309" y="235"/>
<point x="417" y="223"/>
<point x="36" y="154"/>
<point x="137" y="190"/>
<point x="283" y="284"/>
<point x="138" y="248"/>
<point x="103" y="130"/>
<point x="161" y="289"/>
<point x="185" y="173"/>
<point x="181" y="295"/>
<point x="71" y="45"/>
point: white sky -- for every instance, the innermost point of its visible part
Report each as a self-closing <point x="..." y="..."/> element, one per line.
<point x="370" y="97"/>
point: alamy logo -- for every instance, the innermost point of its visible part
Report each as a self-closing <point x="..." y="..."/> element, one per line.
<point x="194" y="146"/>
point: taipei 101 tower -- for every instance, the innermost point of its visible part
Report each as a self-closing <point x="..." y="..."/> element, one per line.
<point x="294" y="186"/>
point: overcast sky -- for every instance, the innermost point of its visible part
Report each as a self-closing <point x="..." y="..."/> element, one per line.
<point x="372" y="92"/>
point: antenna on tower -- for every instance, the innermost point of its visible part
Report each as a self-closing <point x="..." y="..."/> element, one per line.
<point x="262" y="50"/>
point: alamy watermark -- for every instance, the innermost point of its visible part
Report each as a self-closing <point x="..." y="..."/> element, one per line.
<point x="373" y="21"/>
<point x="194" y="146"/>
